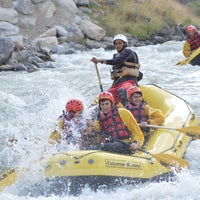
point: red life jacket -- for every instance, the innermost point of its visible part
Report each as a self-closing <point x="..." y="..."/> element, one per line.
<point x="115" y="87"/>
<point x="112" y="124"/>
<point x="194" y="41"/>
<point x="138" y="112"/>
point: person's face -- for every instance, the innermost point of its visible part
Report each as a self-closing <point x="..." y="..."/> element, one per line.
<point x="136" y="98"/>
<point x="119" y="45"/>
<point x="105" y="106"/>
<point x="75" y="114"/>
<point x="190" y="33"/>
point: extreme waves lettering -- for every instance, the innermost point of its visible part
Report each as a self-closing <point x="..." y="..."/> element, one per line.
<point x="123" y="164"/>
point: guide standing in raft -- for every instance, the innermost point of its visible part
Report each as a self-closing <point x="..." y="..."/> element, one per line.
<point x="125" y="71"/>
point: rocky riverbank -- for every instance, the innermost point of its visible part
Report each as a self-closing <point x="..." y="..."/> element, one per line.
<point x="32" y="30"/>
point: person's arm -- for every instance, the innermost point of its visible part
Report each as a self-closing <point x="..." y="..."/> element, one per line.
<point x="155" y="115"/>
<point x="186" y="49"/>
<point x="97" y="129"/>
<point x="122" y="57"/>
<point x="132" y="125"/>
<point x="54" y="137"/>
<point x="118" y="60"/>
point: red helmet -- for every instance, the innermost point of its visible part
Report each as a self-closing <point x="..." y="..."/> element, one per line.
<point x="133" y="90"/>
<point x="106" y="96"/>
<point x="74" y="105"/>
<point x="190" y="28"/>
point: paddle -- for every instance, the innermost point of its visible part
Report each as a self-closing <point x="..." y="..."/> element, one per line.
<point x="183" y="62"/>
<point x="99" y="78"/>
<point x="8" y="177"/>
<point x="165" y="159"/>
<point x="194" y="130"/>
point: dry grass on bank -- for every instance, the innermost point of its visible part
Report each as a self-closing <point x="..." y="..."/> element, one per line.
<point x="141" y="19"/>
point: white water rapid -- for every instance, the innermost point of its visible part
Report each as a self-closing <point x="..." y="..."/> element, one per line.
<point x="31" y="102"/>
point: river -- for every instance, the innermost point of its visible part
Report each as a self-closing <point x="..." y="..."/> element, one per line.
<point x="31" y="102"/>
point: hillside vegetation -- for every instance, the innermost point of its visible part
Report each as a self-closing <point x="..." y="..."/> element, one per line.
<point x="141" y="19"/>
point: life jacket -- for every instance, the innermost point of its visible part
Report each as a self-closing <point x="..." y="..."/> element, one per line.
<point x="194" y="41"/>
<point x="112" y="124"/>
<point x="127" y="67"/>
<point x="115" y="87"/>
<point x="128" y="58"/>
<point x="138" y="112"/>
<point x="72" y="125"/>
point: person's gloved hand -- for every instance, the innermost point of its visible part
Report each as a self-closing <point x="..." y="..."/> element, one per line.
<point x="95" y="60"/>
<point x="134" y="146"/>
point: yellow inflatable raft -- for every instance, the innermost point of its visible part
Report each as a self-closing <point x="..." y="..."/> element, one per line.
<point x="71" y="170"/>
<point x="193" y="59"/>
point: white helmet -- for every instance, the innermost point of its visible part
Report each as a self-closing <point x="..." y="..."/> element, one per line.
<point x="120" y="37"/>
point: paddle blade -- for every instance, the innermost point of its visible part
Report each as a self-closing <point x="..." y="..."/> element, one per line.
<point x="190" y="129"/>
<point x="183" y="62"/>
<point x="8" y="178"/>
<point x="170" y="161"/>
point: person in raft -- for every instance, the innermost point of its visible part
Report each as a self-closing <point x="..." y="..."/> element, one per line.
<point x="74" y="128"/>
<point x="143" y="113"/>
<point x="125" y="66"/>
<point x="118" y="128"/>
<point x="192" y="40"/>
<point x="70" y="123"/>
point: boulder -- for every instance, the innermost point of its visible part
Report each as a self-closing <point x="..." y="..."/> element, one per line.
<point x="9" y="15"/>
<point x="92" y="31"/>
<point x="6" y="49"/>
<point x="7" y="29"/>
